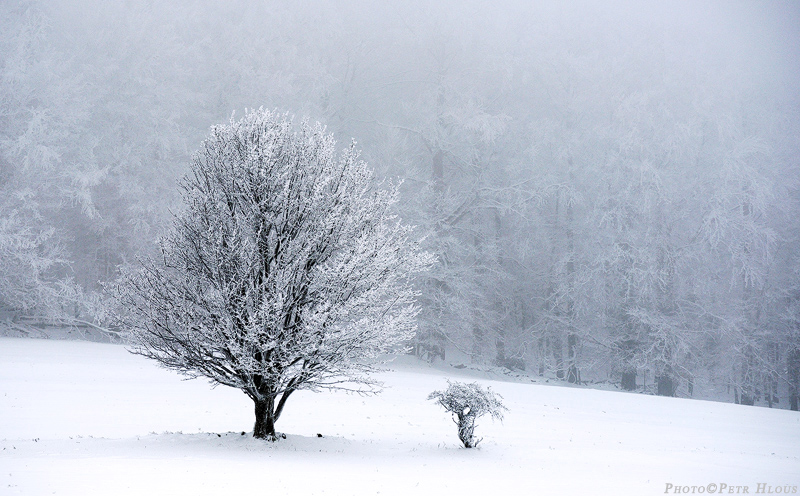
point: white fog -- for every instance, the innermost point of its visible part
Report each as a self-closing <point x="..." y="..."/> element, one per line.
<point x="604" y="197"/>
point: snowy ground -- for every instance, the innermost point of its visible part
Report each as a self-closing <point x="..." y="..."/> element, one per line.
<point x="85" y="418"/>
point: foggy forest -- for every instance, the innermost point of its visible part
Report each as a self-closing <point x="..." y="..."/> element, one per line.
<point x="610" y="189"/>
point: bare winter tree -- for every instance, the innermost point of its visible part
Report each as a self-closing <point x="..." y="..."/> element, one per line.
<point x="287" y="270"/>
<point x="467" y="402"/>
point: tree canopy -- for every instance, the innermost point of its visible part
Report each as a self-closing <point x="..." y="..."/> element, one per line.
<point x="286" y="271"/>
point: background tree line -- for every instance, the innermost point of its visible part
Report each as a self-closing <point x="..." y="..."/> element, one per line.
<point x="610" y="190"/>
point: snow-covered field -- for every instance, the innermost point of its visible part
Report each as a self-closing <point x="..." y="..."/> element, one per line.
<point x="85" y="418"/>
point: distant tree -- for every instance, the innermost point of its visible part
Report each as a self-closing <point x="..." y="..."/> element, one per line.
<point x="287" y="270"/>
<point x="467" y="402"/>
<point x="28" y="259"/>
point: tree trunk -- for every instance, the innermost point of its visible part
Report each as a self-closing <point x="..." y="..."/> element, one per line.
<point x="500" y="351"/>
<point x="665" y="385"/>
<point x="573" y="375"/>
<point x="477" y="343"/>
<point x="558" y="355"/>
<point x="466" y="429"/>
<point x="793" y="365"/>
<point x="541" y="355"/>
<point x="629" y="380"/>
<point x="265" y="420"/>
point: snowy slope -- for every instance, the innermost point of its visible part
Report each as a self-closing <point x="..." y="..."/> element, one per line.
<point x="85" y="418"/>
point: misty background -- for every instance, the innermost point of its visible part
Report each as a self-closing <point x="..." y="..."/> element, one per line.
<point x="610" y="188"/>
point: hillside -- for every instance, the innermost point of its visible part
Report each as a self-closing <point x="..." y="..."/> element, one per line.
<point x="87" y="418"/>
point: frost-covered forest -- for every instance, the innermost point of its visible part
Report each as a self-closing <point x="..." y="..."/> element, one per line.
<point x="610" y="189"/>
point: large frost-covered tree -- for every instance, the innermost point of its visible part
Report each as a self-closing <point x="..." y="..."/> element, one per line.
<point x="286" y="271"/>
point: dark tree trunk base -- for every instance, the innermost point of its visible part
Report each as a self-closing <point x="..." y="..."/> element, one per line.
<point x="666" y="386"/>
<point x="747" y="399"/>
<point x="793" y="366"/>
<point x="628" y="382"/>
<point x="573" y="375"/>
<point x="264" y="427"/>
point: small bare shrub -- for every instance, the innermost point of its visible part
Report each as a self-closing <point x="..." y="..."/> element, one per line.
<point x="467" y="402"/>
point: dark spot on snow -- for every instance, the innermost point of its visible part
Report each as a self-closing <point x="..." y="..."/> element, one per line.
<point x="219" y="435"/>
<point x="319" y="435"/>
<point x="242" y="433"/>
